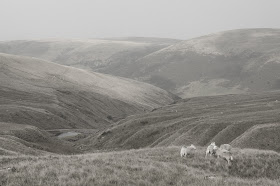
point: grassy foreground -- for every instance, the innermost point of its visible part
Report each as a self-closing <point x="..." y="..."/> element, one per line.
<point x="155" y="166"/>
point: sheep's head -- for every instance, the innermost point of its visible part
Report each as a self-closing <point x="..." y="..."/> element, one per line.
<point x="193" y="147"/>
<point x="213" y="143"/>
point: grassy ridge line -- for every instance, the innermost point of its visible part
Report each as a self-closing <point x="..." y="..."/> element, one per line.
<point x="157" y="166"/>
<point x="52" y="96"/>
<point x="199" y="121"/>
<point x="234" y="61"/>
<point x="95" y="54"/>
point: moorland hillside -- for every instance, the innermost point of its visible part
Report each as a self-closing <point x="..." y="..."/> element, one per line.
<point x="92" y="54"/>
<point x="20" y="139"/>
<point x="235" y="61"/>
<point x="52" y="96"/>
<point x="245" y="120"/>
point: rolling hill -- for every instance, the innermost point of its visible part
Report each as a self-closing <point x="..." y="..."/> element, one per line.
<point x="245" y="120"/>
<point x="38" y="97"/>
<point x="52" y="96"/>
<point x="94" y="54"/>
<point x="20" y="139"/>
<point x="229" y="62"/>
<point x="235" y="61"/>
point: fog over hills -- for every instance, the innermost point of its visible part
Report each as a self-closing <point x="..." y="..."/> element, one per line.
<point x="234" y="61"/>
<point x="52" y="96"/>
<point x="91" y="54"/>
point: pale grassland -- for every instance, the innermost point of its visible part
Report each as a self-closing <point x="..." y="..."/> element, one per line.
<point x="157" y="166"/>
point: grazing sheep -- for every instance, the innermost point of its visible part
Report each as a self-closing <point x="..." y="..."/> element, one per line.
<point x="226" y="147"/>
<point x="211" y="149"/>
<point x="187" y="150"/>
<point x="224" y="154"/>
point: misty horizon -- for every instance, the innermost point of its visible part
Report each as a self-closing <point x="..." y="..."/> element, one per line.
<point x="86" y="19"/>
<point x="124" y="37"/>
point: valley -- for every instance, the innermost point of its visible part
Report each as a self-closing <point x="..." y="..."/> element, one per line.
<point x="243" y="120"/>
<point x="228" y="62"/>
<point x="38" y="96"/>
<point x="116" y="111"/>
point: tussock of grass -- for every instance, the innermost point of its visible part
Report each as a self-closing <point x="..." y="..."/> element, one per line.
<point x="158" y="166"/>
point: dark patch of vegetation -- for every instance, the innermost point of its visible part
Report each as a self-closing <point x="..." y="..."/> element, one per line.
<point x="106" y="133"/>
<point x="153" y="109"/>
<point x="64" y="92"/>
<point x="144" y="122"/>
<point x="109" y="117"/>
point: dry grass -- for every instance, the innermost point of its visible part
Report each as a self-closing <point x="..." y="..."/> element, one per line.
<point x="199" y="121"/>
<point x="51" y="96"/>
<point x="30" y="140"/>
<point x="157" y="166"/>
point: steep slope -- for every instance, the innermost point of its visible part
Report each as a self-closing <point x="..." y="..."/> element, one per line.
<point x="199" y="121"/>
<point x="29" y="140"/>
<point x="52" y="96"/>
<point x="111" y="55"/>
<point x="233" y="61"/>
<point x="264" y="136"/>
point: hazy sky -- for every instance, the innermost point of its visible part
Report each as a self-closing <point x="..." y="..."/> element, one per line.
<point x="183" y="19"/>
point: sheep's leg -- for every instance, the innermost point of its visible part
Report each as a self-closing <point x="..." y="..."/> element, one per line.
<point x="207" y="152"/>
<point x="229" y="163"/>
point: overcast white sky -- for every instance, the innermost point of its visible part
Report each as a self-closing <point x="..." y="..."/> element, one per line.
<point x="183" y="19"/>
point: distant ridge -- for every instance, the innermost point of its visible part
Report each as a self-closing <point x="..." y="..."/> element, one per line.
<point x="235" y="61"/>
<point x="227" y="62"/>
<point x="93" y="54"/>
<point x="52" y="96"/>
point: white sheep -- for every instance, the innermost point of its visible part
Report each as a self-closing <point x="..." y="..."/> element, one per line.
<point x="211" y="149"/>
<point x="224" y="154"/>
<point x="187" y="150"/>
